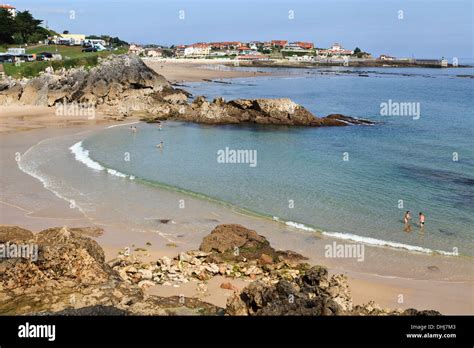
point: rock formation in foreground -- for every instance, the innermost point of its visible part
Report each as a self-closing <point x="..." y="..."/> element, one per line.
<point x="122" y="86"/>
<point x="71" y="277"/>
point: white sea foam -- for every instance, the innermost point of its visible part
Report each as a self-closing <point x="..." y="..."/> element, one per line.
<point x="30" y="169"/>
<point x="299" y="226"/>
<point x="82" y="155"/>
<point x="366" y="240"/>
<point x="295" y="224"/>
<point x="379" y="242"/>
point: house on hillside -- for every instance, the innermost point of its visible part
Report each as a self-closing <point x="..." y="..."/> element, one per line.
<point x="386" y="57"/>
<point x="279" y="43"/>
<point x="9" y="8"/>
<point x="335" y="50"/>
<point x="135" y="49"/>
<point x="244" y="50"/>
<point x="225" y="45"/>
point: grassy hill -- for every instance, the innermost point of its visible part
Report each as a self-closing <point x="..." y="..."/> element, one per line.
<point x="72" y="57"/>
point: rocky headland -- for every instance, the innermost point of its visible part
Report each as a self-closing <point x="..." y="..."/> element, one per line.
<point x="123" y="86"/>
<point x="70" y="276"/>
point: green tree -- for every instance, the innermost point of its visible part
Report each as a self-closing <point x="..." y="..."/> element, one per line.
<point x="26" y="26"/>
<point x="357" y="50"/>
<point x="7" y="27"/>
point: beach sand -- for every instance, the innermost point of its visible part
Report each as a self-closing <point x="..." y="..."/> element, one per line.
<point x="396" y="275"/>
<point x="179" y="71"/>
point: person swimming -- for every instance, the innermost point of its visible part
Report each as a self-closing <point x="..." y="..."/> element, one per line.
<point x="160" y="145"/>
<point x="421" y="219"/>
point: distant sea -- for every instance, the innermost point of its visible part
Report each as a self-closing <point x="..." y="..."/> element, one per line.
<point x="348" y="182"/>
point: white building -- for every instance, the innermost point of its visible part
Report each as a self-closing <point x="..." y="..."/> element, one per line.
<point x="74" y="39"/>
<point x="136" y="49"/>
<point x="9" y="8"/>
<point x="197" y="50"/>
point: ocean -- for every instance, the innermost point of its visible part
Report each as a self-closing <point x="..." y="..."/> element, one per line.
<point x="352" y="182"/>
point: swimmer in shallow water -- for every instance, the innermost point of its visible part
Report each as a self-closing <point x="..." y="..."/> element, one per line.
<point x="421" y="220"/>
<point x="406" y="221"/>
<point x="160" y="145"/>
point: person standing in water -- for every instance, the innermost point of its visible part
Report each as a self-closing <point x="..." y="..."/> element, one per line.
<point x="421" y="219"/>
<point x="406" y="221"/>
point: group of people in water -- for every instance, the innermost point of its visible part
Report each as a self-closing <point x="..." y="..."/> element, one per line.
<point x="134" y="129"/>
<point x="407" y="218"/>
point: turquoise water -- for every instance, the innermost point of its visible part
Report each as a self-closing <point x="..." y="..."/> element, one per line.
<point x="301" y="174"/>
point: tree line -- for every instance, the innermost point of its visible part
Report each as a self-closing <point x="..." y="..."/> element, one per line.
<point x="21" y="29"/>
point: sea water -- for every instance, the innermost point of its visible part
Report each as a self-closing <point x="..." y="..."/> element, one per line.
<point x="352" y="182"/>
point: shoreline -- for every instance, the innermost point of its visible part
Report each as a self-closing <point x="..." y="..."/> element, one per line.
<point x="177" y="72"/>
<point x="361" y="282"/>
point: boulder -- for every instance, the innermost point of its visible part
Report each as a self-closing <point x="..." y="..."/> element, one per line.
<point x="228" y="237"/>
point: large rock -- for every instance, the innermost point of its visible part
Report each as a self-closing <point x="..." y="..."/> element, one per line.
<point x="227" y="237"/>
<point x="235" y="242"/>
<point x="105" y="84"/>
<point x="70" y="273"/>
<point x="280" y="111"/>
<point x="314" y="293"/>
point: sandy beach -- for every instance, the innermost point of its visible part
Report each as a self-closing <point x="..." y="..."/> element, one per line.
<point x="197" y="70"/>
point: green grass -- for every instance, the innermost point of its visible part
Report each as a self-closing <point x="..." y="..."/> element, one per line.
<point x="72" y="57"/>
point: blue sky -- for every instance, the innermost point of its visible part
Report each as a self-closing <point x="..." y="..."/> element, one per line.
<point x="429" y="28"/>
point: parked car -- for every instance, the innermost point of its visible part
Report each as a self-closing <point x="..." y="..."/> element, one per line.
<point x="89" y="49"/>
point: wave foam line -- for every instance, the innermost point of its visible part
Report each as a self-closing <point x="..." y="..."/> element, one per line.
<point x="379" y="242"/>
<point x="295" y="224"/>
<point x="47" y="184"/>
<point x="82" y="155"/>
<point x="365" y="240"/>
<point x="122" y="124"/>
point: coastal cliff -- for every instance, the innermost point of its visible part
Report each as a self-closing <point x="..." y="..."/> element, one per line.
<point x="70" y="276"/>
<point x="123" y="86"/>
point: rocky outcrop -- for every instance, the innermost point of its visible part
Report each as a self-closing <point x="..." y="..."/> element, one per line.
<point x="235" y="242"/>
<point x="70" y="273"/>
<point x="312" y="293"/>
<point x="70" y="277"/>
<point x="115" y="79"/>
<point x="124" y="86"/>
<point x="281" y="111"/>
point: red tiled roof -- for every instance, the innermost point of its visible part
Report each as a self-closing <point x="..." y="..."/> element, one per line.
<point x="279" y="42"/>
<point x="6" y="6"/>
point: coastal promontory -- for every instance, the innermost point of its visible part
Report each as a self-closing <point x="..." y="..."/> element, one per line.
<point x="124" y="87"/>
